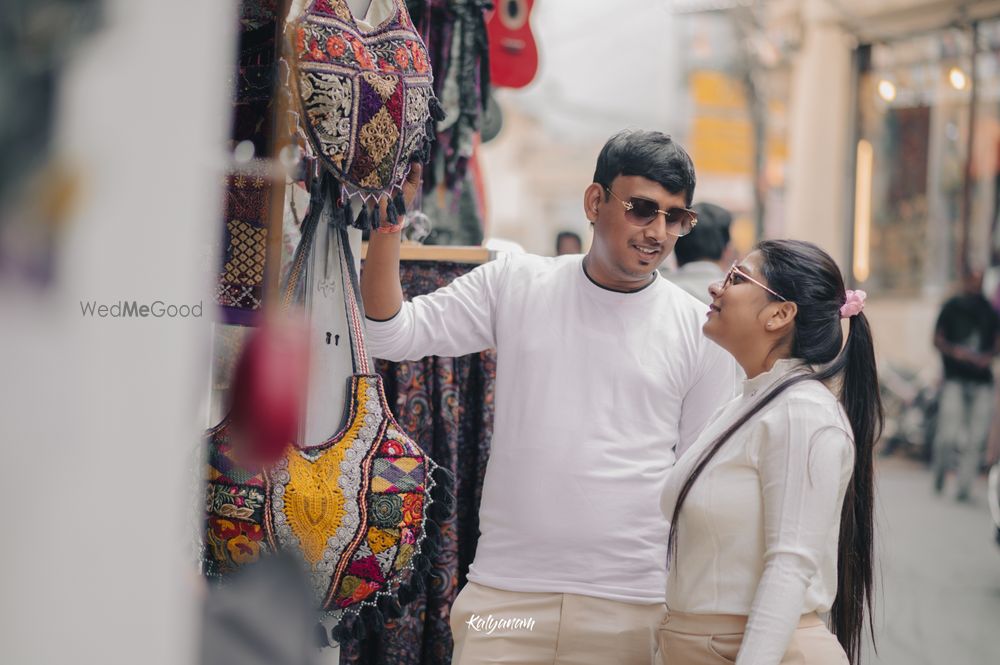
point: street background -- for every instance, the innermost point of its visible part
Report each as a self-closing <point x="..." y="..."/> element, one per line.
<point x="939" y="593"/>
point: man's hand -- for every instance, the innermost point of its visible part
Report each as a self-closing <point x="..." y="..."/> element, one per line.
<point x="969" y="356"/>
<point x="380" y="288"/>
<point x="982" y="360"/>
<point x="411" y="186"/>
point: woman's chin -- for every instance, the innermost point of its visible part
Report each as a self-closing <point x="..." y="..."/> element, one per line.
<point x="709" y="326"/>
<point x="712" y="327"/>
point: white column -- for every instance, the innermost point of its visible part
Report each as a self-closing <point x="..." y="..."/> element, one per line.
<point x="99" y="434"/>
<point x="819" y="134"/>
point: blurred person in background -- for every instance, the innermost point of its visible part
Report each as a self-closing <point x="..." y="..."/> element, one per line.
<point x="568" y="242"/>
<point x="701" y="254"/>
<point x="966" y="335"/>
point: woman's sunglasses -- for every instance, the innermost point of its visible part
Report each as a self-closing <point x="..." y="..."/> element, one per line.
<point x="737" y="276"/>
<point x="642" y="212"/>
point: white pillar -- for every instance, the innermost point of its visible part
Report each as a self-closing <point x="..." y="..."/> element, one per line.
<point x="99" y="434"/>
<point x="819" y="134"/>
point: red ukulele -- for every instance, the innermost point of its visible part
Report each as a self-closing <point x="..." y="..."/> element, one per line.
<point x="513" y="53"/>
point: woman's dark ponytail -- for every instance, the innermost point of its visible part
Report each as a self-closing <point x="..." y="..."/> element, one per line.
<point x="859" y="395"/>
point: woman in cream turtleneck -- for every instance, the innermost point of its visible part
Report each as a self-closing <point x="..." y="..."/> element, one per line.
<point x="771" y="508"/>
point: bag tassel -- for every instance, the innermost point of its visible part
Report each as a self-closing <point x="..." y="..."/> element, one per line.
<point x="361" y="221"/>
<point x="371" y="621"/>
<point x="391" y="214"/>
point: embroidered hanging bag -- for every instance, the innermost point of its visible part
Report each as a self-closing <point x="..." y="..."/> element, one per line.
<point x="354" y="509"/>
<point x="367" y="98"/>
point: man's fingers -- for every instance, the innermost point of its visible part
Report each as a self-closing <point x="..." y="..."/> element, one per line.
<point x="415" y="173"/>
<point x="412" y="184"/>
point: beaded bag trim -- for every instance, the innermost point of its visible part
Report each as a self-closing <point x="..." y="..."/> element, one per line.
<point x="352" y="508"/>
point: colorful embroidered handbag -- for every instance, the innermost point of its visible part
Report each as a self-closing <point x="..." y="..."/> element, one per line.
<point x="354" y="509"/>
<point x="367" y="97"/>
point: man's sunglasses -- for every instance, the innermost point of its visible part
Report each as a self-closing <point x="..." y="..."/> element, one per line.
<point x="642" y="212"/>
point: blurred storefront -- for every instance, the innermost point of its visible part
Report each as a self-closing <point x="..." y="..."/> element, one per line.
<point x="921" y="153"/>
<point x="736" y="77"/>
<point x="875" y="130"/>
<point x="872" y="129"/>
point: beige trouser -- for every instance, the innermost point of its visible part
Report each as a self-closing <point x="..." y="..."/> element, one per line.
<point x="714" y="639"/>
<point x="495" y="626"/>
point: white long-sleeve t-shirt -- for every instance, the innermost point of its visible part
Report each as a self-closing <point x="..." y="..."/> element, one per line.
<point x="594" y="389"/>
<point x="758" y="533"/>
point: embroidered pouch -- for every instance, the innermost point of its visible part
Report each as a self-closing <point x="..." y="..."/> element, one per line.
<point x="366" y="98"/>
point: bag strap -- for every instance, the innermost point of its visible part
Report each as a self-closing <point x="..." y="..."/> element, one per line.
<point x="293" y="289"/>
<point x="323" y="200"/>
<point x="362" y="362"/>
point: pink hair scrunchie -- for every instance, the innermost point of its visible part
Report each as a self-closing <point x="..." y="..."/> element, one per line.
<point x="853" y="305"/>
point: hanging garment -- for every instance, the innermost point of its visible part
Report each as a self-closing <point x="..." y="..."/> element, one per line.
<point x="240" y="284"/>
<point x="354" y="510"/>
<point x="367" y="97"/>
<point x="245" y="261"/>
<point x="457" y="40"/>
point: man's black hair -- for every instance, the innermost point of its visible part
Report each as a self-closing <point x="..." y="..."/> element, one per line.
<point x="653" y="155"/>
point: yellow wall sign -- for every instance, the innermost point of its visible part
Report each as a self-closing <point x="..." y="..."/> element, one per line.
<point x="721" y="135"/>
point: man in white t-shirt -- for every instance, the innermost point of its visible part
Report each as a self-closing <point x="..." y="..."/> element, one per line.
<point x="571" y="562"/>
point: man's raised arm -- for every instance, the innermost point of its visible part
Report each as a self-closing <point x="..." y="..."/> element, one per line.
<point x="381" y="291"/>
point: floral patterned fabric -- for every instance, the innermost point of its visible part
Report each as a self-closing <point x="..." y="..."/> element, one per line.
<point x="446" y="406"/>
<point x="234" y="508"/>
<point x="365" y="96"/>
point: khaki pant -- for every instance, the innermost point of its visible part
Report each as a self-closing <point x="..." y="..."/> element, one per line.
<point x="715" y="639"/>
<point x="496" y="626"/>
